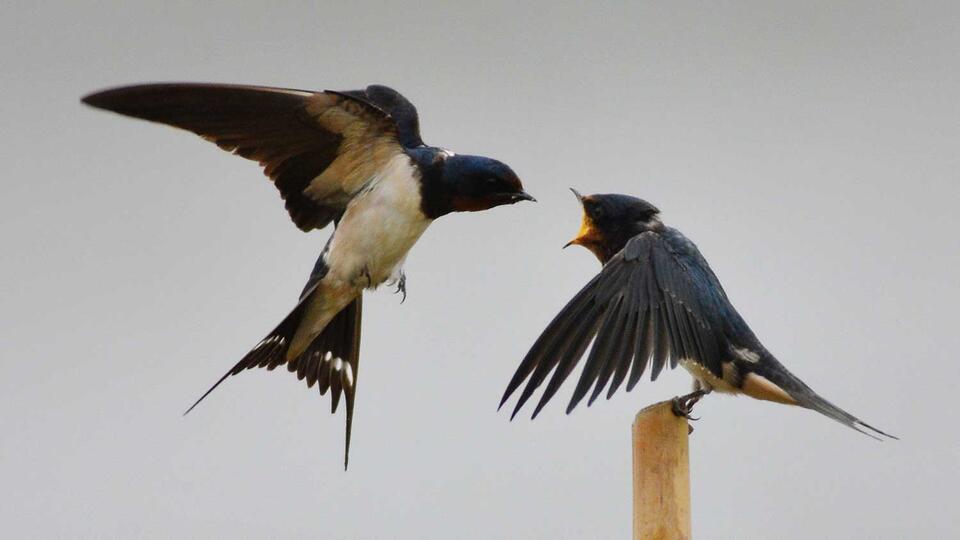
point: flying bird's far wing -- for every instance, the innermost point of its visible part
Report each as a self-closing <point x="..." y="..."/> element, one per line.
<point x="319" y="148"/>
<point x="397" y="107"/>
<point x="650" y="305"/>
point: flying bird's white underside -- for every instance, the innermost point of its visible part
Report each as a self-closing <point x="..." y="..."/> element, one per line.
<point x="369" y="245"/>
<point x="379" y="227"/>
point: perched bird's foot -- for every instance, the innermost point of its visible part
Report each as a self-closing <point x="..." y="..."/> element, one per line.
<point x="683" y="405"/>
<point x="402" y="287"/>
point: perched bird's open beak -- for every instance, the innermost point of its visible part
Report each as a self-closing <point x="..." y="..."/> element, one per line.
<point x="586" y="226"/>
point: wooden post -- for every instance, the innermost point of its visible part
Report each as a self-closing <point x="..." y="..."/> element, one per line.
<point x="661" y="475"/>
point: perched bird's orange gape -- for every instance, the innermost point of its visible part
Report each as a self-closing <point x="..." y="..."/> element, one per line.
<point x="655" y="303"/>
<point x="353" y="158"/>
<point x="588" y="236"/>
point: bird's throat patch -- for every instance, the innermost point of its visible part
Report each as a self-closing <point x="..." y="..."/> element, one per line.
<point x="589" y="237"/>
<point x="471" y="204"/>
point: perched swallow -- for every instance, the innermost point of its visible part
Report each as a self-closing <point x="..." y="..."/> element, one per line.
<point x="656" y="301"/>
<point x="354" y="158"/>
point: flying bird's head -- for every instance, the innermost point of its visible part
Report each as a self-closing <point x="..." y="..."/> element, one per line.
<point x="610" y="220"/>
<point x="474" y="183"/>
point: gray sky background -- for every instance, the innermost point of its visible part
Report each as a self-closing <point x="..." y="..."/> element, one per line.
<point x="810" y="150"/>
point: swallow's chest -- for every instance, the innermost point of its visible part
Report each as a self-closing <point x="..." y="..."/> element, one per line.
<point x="379" y="227"/>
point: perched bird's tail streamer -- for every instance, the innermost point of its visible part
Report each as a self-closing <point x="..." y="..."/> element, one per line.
<point x="807" y="398"/>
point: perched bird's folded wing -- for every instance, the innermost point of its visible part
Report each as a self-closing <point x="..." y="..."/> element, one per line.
<point x="319" y="148"/>
<point x="650" y="305"/>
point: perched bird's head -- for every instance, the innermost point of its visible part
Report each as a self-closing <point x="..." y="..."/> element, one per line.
<point x="610" y="220"/>
<point x="474" y="183"/>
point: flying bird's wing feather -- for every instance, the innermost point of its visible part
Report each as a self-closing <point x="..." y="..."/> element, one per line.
<point x="319" y="148"/>
<point x="651" y="305"/>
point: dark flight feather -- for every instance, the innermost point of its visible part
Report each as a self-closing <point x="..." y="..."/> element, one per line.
<point x="644" y="308"/>
<point x="606" y="337"/>
<point x="643" y="349"/>
<point x="607" y="357"/>
<point x="554" y="331"/>
<point x="296" y="135"/>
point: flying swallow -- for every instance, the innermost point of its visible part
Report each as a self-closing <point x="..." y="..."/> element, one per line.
<point x="656" y="302"/>
<point x="353" y="158"/>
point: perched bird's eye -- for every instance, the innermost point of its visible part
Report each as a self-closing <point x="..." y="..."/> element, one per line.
<point x="598" y="211"/>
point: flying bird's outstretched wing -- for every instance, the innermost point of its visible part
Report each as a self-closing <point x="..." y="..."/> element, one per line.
<point x="648" y="306"/>
<point x="319" y="148"/>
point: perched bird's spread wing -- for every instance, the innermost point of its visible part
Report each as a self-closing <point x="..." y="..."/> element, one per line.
<point x="319" y="148"/>
<point x="650" y="305"/>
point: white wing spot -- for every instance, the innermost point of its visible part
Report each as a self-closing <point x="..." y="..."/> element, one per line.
<point x="746" y="355"/>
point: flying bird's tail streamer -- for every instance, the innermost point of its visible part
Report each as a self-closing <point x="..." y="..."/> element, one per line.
<point x="330" y="362"/>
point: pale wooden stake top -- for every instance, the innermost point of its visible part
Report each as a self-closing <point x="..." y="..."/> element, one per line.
<point x="661" y="475"/>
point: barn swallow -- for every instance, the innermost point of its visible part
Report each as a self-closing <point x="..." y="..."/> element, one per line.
<point x="354" y="158"/>
<point x="655" y="302"/>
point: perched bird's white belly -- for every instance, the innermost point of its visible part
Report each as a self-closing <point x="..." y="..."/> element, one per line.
<point x="733" y="382"/>
<point x="707" y="380"/>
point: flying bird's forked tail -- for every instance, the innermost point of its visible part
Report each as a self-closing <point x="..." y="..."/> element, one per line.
<point x="330" y="361"/>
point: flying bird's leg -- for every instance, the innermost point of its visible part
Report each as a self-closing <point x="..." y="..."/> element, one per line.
<point x="402" y="286"/>
<point x="366" y="274"/>
<point x="683" y="405"/>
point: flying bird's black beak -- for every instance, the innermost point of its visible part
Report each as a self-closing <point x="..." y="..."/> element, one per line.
<point x="523" y="196"/>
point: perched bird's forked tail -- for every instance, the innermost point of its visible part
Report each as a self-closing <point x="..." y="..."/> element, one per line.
<point x="805" y="397"/>
<point x="330" y="361"/>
